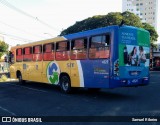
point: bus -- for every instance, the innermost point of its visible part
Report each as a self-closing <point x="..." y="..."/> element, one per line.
<point x="107" y="57"/>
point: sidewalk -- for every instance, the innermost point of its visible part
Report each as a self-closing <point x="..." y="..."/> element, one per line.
<point x="5" y="77"/>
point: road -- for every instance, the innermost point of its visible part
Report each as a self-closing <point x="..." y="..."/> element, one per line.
<point x="36" y="99"/>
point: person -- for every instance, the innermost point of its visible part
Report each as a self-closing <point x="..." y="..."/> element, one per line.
<point x="2" y="67"/>
<point x="125" y="54"/>
<point x="142" y="56"/>
<point x="134" y="57"/>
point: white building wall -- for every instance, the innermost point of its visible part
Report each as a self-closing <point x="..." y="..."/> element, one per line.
<point x="146" y="9"/>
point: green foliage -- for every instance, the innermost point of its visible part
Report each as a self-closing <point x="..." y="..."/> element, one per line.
<point x="153" y="33"/>
<point x="3" y="48"/>
<point x="131" y="19"/>
<point x="113" y="18"/>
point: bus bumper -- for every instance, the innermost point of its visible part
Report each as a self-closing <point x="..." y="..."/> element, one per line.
<point x="129" y="82"/>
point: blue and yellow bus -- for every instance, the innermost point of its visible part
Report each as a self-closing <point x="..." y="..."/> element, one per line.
<point x="107" y="57"/>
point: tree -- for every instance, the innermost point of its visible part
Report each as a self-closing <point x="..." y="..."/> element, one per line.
<point x="3" y="48"/>
<point x="152" y="32"/>
<point x="113" y="18"/>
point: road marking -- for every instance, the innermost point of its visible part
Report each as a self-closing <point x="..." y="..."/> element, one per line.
<point x="27" y="87"/>
<point x="6" y="110"/>
<point x="37" y="89"/>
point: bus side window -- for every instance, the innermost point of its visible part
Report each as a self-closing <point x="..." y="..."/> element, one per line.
<point x="48" y="52"/>
<point x="62" y="50"/>
<point x="99" y="47"/>
<point x="27" y="54"/>
<point x="37" y="53"/>
<point x="19" y="55"/>
<point x="79" y="49"/>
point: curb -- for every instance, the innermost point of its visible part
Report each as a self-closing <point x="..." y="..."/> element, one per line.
<point x="11" y="80"/>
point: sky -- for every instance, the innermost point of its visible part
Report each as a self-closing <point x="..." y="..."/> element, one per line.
<point x="34" y="20"/>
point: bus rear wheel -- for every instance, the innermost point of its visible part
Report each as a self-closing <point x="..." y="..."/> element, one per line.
<point x="65" y="84"/>
<point x="20" y="80"/>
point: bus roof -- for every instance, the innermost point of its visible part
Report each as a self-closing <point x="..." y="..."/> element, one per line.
<point x="40" y="42"/>
<point x="80" y="35"/>
<point x="90" y="32"/>
<point x="98" y="31"/>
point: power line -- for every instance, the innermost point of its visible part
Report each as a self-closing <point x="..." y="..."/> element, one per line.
<point x="6" y="3"/>
<point x="17" y="37"/>
<point x="15" y="28"/>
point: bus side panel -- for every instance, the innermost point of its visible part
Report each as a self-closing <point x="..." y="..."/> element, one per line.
<point x="76" y="75"/>
<point x="13" y="72"/>
<point x="95" y="73"/>
<point x="114" y="59"/>
<point x="25" y="73"/>
<point x="53" y="69"/>
<point x="45" y="69"/>
<point x="35" y="71"/>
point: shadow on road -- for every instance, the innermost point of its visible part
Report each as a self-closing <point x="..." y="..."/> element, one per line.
<point x="103" y="94"/>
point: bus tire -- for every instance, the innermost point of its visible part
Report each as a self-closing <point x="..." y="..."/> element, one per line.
<point x="20" y="80"/>
<point x="65" y="84"/>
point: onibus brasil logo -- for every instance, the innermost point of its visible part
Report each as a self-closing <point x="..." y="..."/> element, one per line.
<point x="53" y="72"/>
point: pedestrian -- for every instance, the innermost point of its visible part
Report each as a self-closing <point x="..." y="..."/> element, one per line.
<point x="2" y="67"/>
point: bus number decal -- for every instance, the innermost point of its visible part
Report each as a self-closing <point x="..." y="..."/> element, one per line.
<point x="53" y="72"/>
<point x="70" y="65"/>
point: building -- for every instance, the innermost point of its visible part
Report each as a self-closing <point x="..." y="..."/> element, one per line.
<point x="156" y="56"/>
<point x="146" y="9"/>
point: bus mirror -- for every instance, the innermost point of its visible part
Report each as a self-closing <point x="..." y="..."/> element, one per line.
<point x="11" y="57"/>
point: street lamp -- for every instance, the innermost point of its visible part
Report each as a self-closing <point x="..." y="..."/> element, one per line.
<point x="49" y="34"/>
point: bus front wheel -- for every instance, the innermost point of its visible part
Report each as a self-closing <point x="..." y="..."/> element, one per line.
<point x="65" y="84"/>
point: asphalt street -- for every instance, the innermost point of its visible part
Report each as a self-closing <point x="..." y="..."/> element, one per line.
<point x="37" y="99"/>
